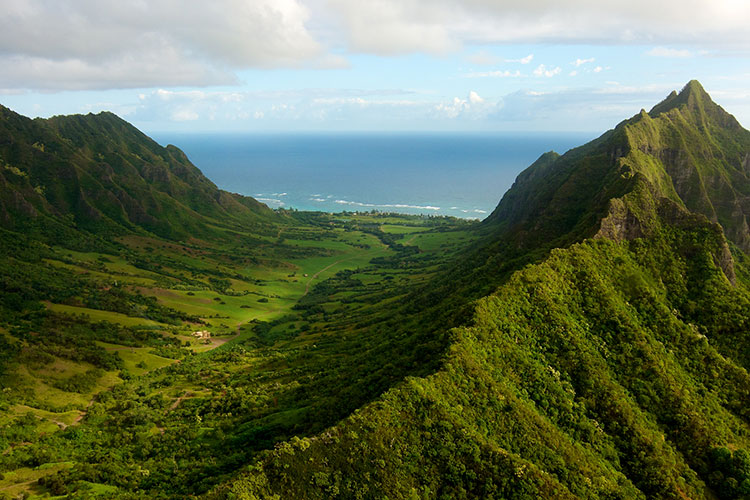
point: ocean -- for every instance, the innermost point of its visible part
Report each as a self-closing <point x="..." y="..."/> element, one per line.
<point x="458" y="174"/>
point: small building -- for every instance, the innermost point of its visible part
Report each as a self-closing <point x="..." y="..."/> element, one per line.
<point x="202" y="334"/>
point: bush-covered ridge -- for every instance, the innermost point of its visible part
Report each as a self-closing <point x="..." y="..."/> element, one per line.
<point x="616" y="367"/>
<point x="99" y="174"/>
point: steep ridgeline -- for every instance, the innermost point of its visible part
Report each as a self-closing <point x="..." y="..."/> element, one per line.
<point x="100" y="174"/>
<point x="614" y="366"/>
<point x="686" y="155"/>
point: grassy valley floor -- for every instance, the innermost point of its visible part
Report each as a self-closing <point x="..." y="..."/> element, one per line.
<point x="110" y="390"/>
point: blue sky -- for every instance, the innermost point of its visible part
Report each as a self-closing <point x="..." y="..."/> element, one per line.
<point x="343" y="65"/>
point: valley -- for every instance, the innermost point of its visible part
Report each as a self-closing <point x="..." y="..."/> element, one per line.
<point x="163" y="338"/>
<point x="248" y="304"/>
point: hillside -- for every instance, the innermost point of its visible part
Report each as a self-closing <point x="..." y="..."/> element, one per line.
<point x="99" y="174"/>
<point x="613" y="364"/>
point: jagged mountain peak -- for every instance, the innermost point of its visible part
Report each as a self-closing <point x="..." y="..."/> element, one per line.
<point x="687" y="152"/>
<point x="694" y="103"/>
<point x="692" y="94"/>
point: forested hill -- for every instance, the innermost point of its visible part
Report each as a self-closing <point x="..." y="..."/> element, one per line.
<point x="613" y="363"/>
<point x="99" y="174"/>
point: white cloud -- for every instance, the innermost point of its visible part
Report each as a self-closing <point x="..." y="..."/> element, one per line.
<point x="667" y="52"/>
<point x="494" y="74"/>
<point x="474" y="107"/>
<point x="542" y="70"/>
<point x="102" y="44"/>
<point x="475" y="98"/>
<point x="399" y="26"/>
<point x="388" y="27"/>
<point x="579" y="62"/>
<point x="523" y="60"/>
<point x="96" y="44"/>
<point x="598" y="69"/>
<point x="540" y="108"/>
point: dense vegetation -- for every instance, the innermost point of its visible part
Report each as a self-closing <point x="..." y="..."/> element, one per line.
<point x="588" y="340"/>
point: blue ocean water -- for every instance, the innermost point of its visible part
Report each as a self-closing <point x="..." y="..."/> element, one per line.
<point x="459" y="174"/>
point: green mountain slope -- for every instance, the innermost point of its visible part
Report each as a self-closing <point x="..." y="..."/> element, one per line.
<point x="100" y="174"/>
<point x="614" y="366"/>
<point x="687" y="149"/>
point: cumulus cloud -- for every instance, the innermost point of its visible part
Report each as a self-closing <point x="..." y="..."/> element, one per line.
<point x="388" y="27"/>
<point x="475" y="98"/>
<point x="579" y="62"/>
<point x="542" y="70"/>
<point x="71" y="44"/>
<point x="474" y="107"/>
<point x="100" y="44"/>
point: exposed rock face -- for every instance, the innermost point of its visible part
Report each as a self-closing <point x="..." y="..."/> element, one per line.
<point x="724" y="260"/>
<point x="620" y="224"/>
<point x="705" y="152"/>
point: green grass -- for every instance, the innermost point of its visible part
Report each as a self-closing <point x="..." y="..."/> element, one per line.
<point x="23" y="479"/>
<point x="438" y="241"/>
<point x="397" y="229"/>
<point x="97" y="315"/>
<point x="133" y="356"/>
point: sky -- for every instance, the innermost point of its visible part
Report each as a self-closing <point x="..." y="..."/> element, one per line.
<point x="370" y="65"/>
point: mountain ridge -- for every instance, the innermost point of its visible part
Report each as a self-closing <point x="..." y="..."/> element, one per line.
<point x="114" y="180"/>
<point x="687" y="150"/>
<point x="609" y="358"/>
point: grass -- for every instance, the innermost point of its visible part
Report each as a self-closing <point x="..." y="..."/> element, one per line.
<point x="438" y="241"/>
<point x="22" y="480"/>
<point x="48" y="421"/>
<point x="135" y="356"/>
<point x="397" y="229"/>
<point x="95" y="315"/>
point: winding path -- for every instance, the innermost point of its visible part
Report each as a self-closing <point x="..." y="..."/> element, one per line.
<point x="385" y="247"/>
<point x="309" y="282"/>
